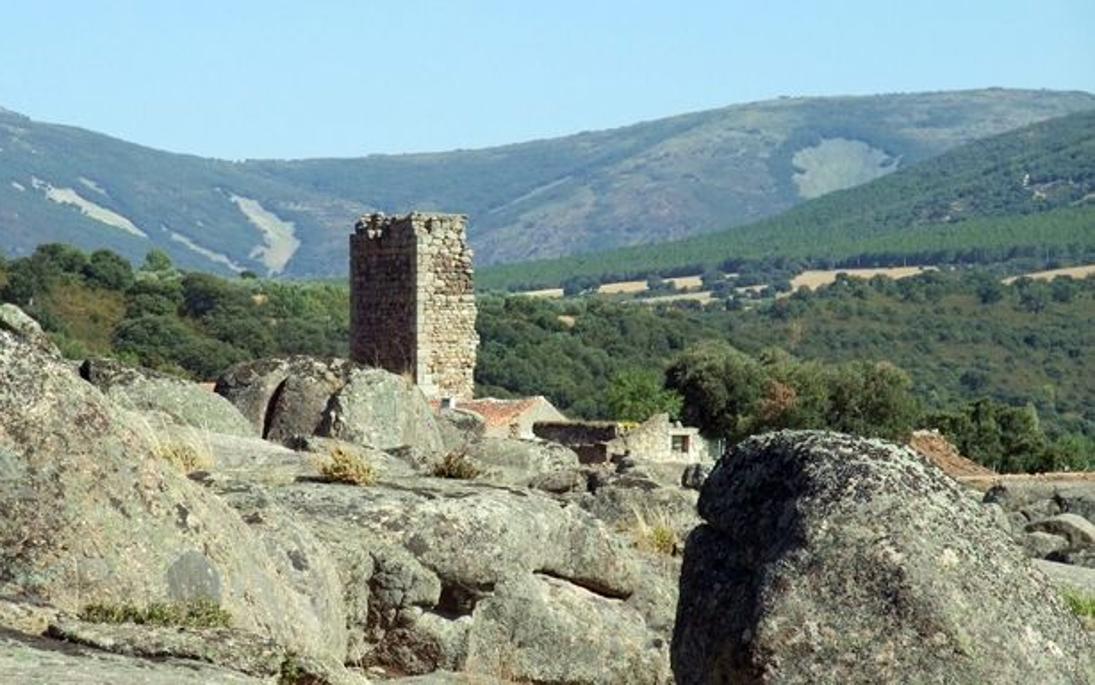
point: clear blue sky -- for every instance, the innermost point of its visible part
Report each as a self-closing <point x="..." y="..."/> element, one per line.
<point x="265" y="78"/>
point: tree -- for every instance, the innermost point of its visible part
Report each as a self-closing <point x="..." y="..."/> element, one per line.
<point x="151" y="296"/>
<point x="65" y="258"/>
<point x="637" y="394"/>
<point x="165" y="342"/>
<point x="721" y="387"/>
<point x="202" y="293"/>
<point x="108" y="270"/>
<point x="655" y="283"/>
<point x="1063" y="289"/>
<point x="1034" y="297"/>
<point x="156" y="261"/>
<point x="1005" y="438"/>
<point x="577" y="285"/>
<point x="1022" y="439"/>
<point x="990" y="291"/>
<point x="872" y="400"/>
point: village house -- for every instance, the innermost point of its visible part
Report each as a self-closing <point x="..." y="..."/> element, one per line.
<point x="656" y="439"/>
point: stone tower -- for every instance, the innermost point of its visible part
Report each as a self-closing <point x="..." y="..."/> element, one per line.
<point x="412" y="300"/>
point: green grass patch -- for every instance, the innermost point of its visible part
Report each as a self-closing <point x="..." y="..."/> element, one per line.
<point x="1082" y="604"/>
<point x="194" y="614"/>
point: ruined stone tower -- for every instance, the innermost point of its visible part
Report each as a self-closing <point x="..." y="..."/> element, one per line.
<point x="412" y="301"/>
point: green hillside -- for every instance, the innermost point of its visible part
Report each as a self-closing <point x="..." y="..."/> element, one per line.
<point x="1029" y="191"/>
<point x="961" y="336"/>
<point x="650" y="182"/>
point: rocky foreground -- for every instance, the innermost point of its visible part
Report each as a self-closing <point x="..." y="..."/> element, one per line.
<point x="154" y="532"/>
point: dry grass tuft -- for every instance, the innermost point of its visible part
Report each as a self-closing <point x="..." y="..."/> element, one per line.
<point x="188" y="450"/>
<point x="653" y="533"/>
<point x="457" y="465"/>
<point x="185" y="456"/>
<point x="344" y="467"/>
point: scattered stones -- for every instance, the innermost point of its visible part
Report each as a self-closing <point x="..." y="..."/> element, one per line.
<point x="1076" y="529"/>
<point x="1039" y="545"/>
<point x="819" y="557"/>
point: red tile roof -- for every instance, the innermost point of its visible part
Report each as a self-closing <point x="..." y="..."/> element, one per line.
<point x="497" y="412"/>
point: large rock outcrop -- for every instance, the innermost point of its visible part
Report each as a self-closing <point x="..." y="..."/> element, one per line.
<point x="89" y="514"/>
<point x="182" y="402"/>
<point x="453" y="575"/>
<point x="511" y="461"/>
<point x="284" y="397"/>
<point x="830" y="559"/>
<point x="381" y="410"/>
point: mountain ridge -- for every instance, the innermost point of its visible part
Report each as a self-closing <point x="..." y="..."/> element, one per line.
<point x="989" y="199"/>
<point x="640" y="183"/>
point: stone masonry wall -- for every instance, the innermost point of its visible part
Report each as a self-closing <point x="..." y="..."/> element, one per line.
<point x="412" y="300"/>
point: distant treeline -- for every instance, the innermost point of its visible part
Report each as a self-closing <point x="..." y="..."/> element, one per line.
<point x="1065" y="235"/>
<point x="959" y="337"/>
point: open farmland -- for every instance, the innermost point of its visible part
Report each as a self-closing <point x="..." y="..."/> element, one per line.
<point x="814" y="279"/>
<point x="1049" y="275"/>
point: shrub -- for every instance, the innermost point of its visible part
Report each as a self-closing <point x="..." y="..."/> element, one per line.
<point x="344" y="467"/>
<point x="457" y="465"/>
<point x="201" y="613"/>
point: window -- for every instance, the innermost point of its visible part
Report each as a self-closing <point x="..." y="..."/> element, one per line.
<point x="679" y="443"/>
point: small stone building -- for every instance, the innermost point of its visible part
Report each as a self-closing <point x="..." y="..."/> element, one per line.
<point x="656" y="439"/>
<point x="412" y="300"/>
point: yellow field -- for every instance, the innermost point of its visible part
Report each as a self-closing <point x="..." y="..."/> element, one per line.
<point x="684" y="282"/>
<point x="702" y="297"/>
<point x="750" y="288"/>
<point x="632" y="287"/>
<point x="547" y="292"/>
<point x="622" y="288"/>
<point x="1074" y="271"/>
<point x="816" y="279"/>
